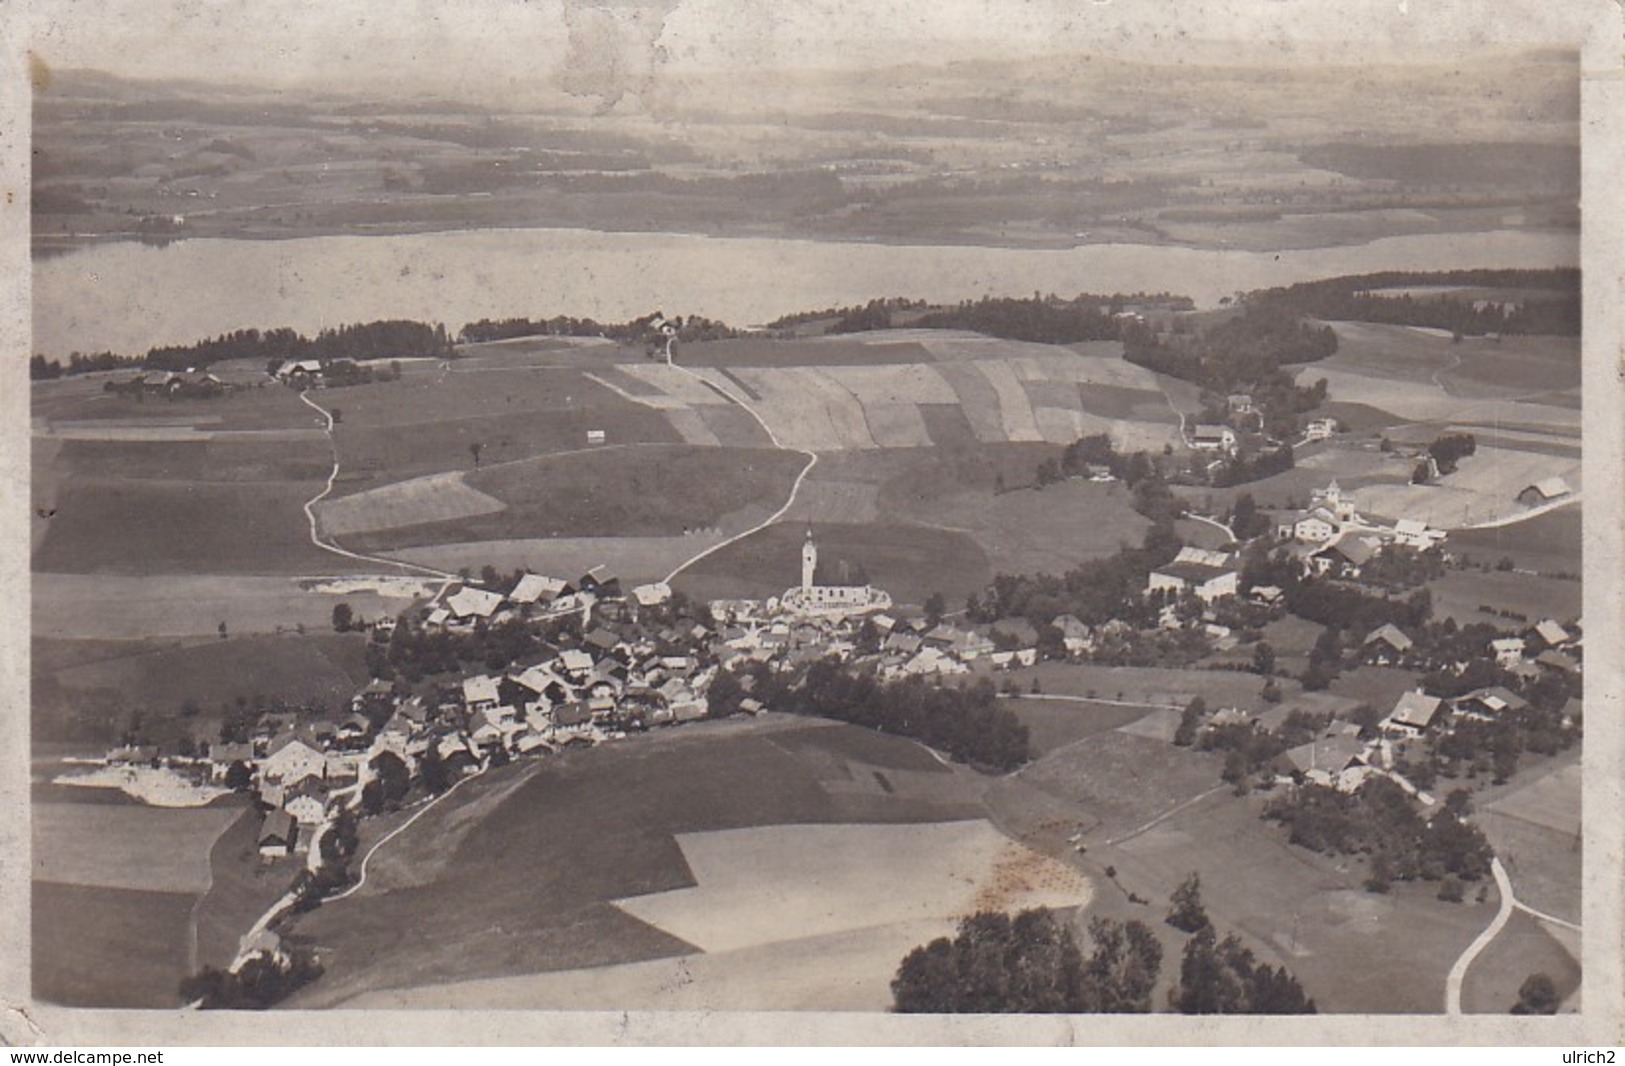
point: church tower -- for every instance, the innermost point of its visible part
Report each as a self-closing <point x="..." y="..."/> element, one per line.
<point x="809" y="561"/>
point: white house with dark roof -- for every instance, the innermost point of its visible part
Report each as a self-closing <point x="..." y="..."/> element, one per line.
<point x="479" y="693"/>
<point x="1213" y="438"/>
<point x="290" y="759"/>
<point x="532" y="588"/>
<point x="1210" y="575"/>
<point x="469" y="602"/>
<point x="1553" y="634"/>
<point x="1387" y="644"/>
<point x="1413" y="714"/>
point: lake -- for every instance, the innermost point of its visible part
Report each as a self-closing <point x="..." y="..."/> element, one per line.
<point x="127" y="297"/>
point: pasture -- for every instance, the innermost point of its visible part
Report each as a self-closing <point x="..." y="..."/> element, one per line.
<point x="634" y="559"/>
<point x="1159" y="686"/>
<point x="428" y="424"/>
<point x="647" y="491"/>
<point x="908" y="561"/>
<point x="1303" y="910"/>
<point x="223" y="457"/>
<point x="109" y="947"/>
<point x="1053" y="724"/>
<point x="118" y="607"/>
<point x="126" y="846"/>
<point x="1524" y="946"/>
<point x="327" y="668"/>
<point x="433" y="498"/>
<point x="149" y="527"/>
<point x="113" y="892"/>
<point x="1548" y="543"/>
<point x="1118" y="781"/>
<point x="530" y="884"/>
<point x="1461" y="593"/>
<point x="1535" y="829"/>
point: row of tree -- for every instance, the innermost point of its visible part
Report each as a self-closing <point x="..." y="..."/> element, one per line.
<point x="965" y="722"/>
<point x="386" y="339"/>
<point x="690" y="329"/>
<point x="1548" y="301"/>
<point x="1031" y="964"/>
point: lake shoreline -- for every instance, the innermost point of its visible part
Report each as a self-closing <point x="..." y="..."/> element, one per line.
<point x="127" y="297"/>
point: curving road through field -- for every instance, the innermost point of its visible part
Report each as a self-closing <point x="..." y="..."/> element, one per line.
<point x="332" y="475"/>
<point x="795" y="486"/>
<point x="1509" y="904"/>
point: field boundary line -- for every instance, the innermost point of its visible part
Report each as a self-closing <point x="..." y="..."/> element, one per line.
<point x="1163" y="817"/>
<point x="1064" y="698"/>
<point x="332" y="476"/>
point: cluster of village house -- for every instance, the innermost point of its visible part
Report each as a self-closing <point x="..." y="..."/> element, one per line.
<point x="623" y="674"/>
<point x="1329" y="538"/>
<point x="1243" y="430"/>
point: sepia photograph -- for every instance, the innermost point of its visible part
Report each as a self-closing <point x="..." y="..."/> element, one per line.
<point x="638" y="506"/>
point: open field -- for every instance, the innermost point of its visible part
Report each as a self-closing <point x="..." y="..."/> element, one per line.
<point x="1484" y="488"/>
<point x="1523" y="947"/>
<point x="633" y="559"/>
<point x="656" y="491"/>
<point x="162" y="676"/>
<point x="910" y="562"/>
<point x="114" y="846"/>
<point x="146" y="527"/>
<point x="529" y="884"/>
<point x="1117" y="781"/>
<point x="1535" y="829"/>
<point x="832" y="401"/>
<point x="225" y="457"/>
<point x="1472" y="367"/>
<point x="1053" y="724"/>
<point x="432" y="498"/>
<point x="1147" y="684"/>
<point x="118" y="607"/>
<point x="1460" y="593"/>
<point x="114" y="888"/>
<point x="762" y="885"/>
<point x="1549" y="543"/>
<point x="109" y="947"/>
<point x="856" y="349"/>
<point x="1028" y="530"/>
<point x="77" y="406"/>
<point x="1303" y="910"/>
<point x="426" y="424"/>
<point x="841" y="971"/>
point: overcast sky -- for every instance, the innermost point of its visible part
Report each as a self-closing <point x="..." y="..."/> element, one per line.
<point x="495" y="50"/>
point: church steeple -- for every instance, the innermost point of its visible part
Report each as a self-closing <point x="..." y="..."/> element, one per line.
<point x="809" y="561"/>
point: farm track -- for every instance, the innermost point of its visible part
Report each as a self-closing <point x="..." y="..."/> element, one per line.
<point x="1510" y="904"/>
<point x="795" y="486"/>
<point x="310" y="510"/>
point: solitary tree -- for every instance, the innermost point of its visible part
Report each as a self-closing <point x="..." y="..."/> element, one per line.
<point x="1187" y="913"/>
<point x="238" y="776"/>
<point x="1264" y="658"/>
<point x="343" y="617"/>
<point x="474" y="449"/>
<point x="1537" y="995"/>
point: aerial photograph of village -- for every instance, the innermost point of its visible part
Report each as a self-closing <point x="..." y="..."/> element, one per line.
<point x="649" y="517"/>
